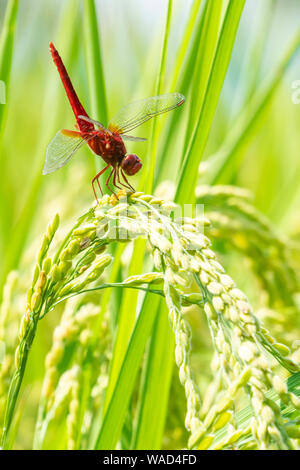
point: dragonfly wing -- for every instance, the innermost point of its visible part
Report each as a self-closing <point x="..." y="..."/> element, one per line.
<point x="138" y="112"/>
<point x="61" y="149"/>
<point x="133" y="138"/>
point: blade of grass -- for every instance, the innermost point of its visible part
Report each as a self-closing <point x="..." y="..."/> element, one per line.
<point x="95" y="71"/>
<point x="204" y="61"/>
<point x="250" y="73"/>
<point x="153" y="403"/>
<point x="158" y="90"/>
<point x="206" y="52"/>
<point x="187" y="42"/>
<point x="126" y="322"/>
<point x="6" y="50"/>
<point x="229" y="155"/>
<point x="188" y="176"/>
<point x="181" y="82"/>
<point x="114" y="418"/>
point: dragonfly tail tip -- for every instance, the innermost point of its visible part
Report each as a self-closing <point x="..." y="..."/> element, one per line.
<point x="51" y="46"/>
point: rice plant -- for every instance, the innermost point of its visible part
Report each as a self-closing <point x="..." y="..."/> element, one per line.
<point x="165" y="317"/>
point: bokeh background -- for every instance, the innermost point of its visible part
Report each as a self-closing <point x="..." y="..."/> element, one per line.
<point x="131" y="42"/>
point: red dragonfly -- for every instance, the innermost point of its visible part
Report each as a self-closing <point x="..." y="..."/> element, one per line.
<point x="105" y="142"/>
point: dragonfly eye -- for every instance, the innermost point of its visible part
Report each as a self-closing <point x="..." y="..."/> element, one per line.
<point x="131" y="164"/>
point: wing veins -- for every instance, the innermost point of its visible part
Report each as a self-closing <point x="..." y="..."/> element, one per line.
<point x="55" y="159"/>
<point x="142" y="113"/>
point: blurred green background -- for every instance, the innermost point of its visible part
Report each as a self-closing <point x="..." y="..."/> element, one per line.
<point x="131" y="34"/>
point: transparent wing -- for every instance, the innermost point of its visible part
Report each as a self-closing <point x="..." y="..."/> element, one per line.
<point x="61" y="149"/>
<point x="133" y="138"/>
<point x="138" y="112"/>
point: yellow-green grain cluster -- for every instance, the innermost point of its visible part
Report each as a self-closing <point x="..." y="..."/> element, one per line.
<point x="246" y="357"/>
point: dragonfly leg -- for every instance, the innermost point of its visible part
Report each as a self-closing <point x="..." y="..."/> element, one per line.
<point x="95" y="194"/>
<point x="126" y="181"/>
<point x="116" y="174"/>
<point x="107" y="181"/>
<point x="96" y="178"/>
<point x="120" y="182"/>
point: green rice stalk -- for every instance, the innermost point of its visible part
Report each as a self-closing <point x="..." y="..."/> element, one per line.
<point x="251" y="116"/>
<point x="158" y="90"/>
<point x="188" y="177"/>
<point x="6" y="53"/>
<point x="181" y="81"/>
<point x="95" y="71"/>
<point x="153" y="400"/>
<point x="206" y="51"/>
<point x="6" y="50"/>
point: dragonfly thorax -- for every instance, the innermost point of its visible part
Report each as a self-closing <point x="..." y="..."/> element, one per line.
<point x="110" y="147"/>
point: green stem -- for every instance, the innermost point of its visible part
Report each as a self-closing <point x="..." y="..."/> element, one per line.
<point x="95" y="72"/>
<point x="16" y="382"/>
<point x="158" y="90"/>
<point x="104" y="286"/>
<point x="6" y="48"/>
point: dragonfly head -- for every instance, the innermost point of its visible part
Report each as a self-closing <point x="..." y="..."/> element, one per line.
<point x="131" y="164"/>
